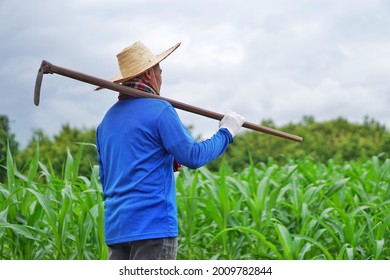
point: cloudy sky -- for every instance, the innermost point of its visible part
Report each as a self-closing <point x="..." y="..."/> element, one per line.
<point x="278" y="60"/>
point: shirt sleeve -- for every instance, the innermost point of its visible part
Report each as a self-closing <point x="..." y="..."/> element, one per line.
<point x="182" y="146"/>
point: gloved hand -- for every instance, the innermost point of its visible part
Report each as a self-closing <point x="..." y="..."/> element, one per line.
<point x="232" y="121"/>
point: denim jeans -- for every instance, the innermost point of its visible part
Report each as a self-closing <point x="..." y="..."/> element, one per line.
<point x="150" y="249"/>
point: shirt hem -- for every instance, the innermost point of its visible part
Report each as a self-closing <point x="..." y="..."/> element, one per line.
<point x="140" y="237"/>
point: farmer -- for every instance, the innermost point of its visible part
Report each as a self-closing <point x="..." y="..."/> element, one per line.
<point x="140" y="143"/>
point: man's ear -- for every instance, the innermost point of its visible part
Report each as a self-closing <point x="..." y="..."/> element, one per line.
<point x="147" y="75"/>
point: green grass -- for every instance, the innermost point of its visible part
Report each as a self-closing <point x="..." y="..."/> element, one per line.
<point x="300" y="210"/>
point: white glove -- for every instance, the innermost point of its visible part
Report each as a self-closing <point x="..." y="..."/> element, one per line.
<point x="232" y="121"/>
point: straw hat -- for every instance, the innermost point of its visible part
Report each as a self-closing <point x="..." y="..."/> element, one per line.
<point x="136" y="59"/>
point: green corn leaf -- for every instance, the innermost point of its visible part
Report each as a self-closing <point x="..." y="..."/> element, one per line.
<point x="33" y="168"/>
<point x="336" y="187"/>
<point x="19" y="230"/>
<point x="285" y="240"/>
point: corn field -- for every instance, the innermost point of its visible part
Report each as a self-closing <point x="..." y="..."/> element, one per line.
<point x="301" y="210"/>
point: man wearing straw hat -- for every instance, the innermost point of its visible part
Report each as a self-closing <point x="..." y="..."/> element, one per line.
<point x="141" y="142"/>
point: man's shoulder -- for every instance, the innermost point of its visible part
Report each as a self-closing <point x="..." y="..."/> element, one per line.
<point x="157" y="104"/>
<point x="157" y="101"/>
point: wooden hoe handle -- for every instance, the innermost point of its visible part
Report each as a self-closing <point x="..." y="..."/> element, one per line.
<point x="48" y="68"/>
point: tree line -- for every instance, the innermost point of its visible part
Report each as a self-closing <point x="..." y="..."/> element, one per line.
<point x="338" y="139"/>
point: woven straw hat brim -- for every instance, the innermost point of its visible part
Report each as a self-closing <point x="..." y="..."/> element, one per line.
<point x="135" y="70"/>
<point x="141" y="68"/>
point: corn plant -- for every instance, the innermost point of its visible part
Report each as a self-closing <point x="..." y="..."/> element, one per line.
<point x="46" y="216"/>
<point x="299" y="210"/>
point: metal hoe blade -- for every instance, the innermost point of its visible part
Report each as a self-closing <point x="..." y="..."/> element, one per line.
<point x="44" y="69"/>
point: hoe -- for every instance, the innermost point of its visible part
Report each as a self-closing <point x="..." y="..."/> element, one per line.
<point x="48" y="68"/>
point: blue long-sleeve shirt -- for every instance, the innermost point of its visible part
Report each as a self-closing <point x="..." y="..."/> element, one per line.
<point x="137" y="142"/>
